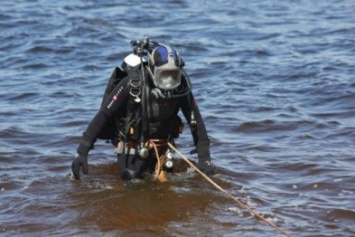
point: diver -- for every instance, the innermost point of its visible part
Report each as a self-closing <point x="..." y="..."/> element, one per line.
<point x="139" y="113"/>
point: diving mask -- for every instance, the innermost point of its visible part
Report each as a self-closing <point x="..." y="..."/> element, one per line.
<point x="167" y="78"/>
<point x="167" y="73"/>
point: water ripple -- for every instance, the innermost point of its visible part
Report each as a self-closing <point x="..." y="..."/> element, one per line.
<point x="273" y="80"/>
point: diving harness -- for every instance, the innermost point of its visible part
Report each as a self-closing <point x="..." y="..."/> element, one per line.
<point x="136" y="65"/>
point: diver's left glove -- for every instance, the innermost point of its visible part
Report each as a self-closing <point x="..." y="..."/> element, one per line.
<point x="80" y="161"/>
<point x="207" y="167"/>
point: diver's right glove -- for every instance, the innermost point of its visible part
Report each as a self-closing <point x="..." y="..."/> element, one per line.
<point x="207" y="167"/>
<point x="80" y="161"/>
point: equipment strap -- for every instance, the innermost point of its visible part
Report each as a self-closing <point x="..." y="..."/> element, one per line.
<point x="135" y="83"/>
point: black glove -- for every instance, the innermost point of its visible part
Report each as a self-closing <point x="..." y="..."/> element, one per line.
<point x="78" y="162"/>
<point x="207" y="167"/>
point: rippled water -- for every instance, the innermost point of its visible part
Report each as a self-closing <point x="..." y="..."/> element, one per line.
<point x="274" y="81"/>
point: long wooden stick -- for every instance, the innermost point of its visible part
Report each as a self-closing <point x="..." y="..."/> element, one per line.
<point x="240" y="203"/>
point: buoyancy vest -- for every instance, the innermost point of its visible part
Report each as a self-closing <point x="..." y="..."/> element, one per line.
<point x="160" y="121"/>
<point x="110" y="129"/>
<point x="163" y="119"/>
<point x="161" y="113"/>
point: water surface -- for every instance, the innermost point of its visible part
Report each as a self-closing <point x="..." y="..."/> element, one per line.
<point x="274" y="81"/>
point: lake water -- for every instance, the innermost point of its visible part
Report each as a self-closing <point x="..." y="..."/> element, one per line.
<point x="274" y="81"/>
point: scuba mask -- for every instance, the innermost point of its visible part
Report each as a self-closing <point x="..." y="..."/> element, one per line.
<point x="165" y="62"/>
<point x="166" y="77"/>
<point x="182" y="90"/>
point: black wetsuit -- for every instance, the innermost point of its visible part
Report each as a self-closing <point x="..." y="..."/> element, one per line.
<point x="162" y="114"/>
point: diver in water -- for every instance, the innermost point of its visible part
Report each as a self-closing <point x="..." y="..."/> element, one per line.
<point x="139" y="114"/>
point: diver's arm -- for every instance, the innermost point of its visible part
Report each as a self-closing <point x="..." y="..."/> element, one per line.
<point x="117" y="99"/>
<point x="198" y="128"/>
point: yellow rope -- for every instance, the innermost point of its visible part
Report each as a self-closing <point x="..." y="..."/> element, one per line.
<point x="228" y="194"/>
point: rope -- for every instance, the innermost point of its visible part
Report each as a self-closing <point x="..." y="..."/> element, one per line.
<point x="240" y="203"/>
<point x="158" y="167"/>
